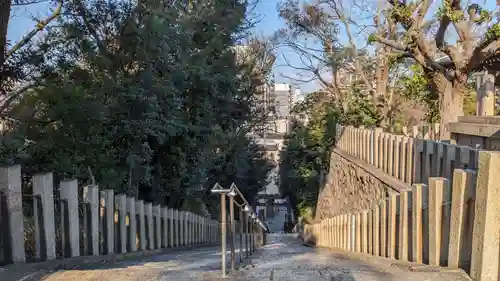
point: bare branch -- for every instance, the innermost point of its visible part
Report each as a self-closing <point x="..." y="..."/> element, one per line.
<point x="481" y="54"/>
<point x="25" y="3"/>
<point x="391" y="43"/>
<point x="39" y="27"/>
<point x="337" y="8"/>
<point x="422" y="11"/>
<point x="11" y="97"/>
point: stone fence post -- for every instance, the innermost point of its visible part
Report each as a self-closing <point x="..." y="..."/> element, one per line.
<point x="121" y="206"/>
<point x="69" y="191"/>
<point x="10" y="186"/>
<point x="132" y="221"/>
<point x="107" y="198"/>
<point x="485" y="241"/>
<point x="148" y="211"/>
<point x="91" y="198"/>
<point x="43" y="186"/>
<point x="139" y="206"/>
<point x="166" y="228"/>
<point x="157" y="233"/>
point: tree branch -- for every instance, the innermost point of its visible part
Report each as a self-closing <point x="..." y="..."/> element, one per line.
<point x="11" y="97"/>
<point x="390" y="43"/>
<point x="39" y="27"/>
<point x="25" y="3"/>
<point x="421" y="12"/>
<point x="481" y="54"/>
<point x="345" y="21"/>
<point x="452" y="52"/>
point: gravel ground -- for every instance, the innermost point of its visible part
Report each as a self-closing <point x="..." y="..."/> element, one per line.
<point x="284" y="258"/>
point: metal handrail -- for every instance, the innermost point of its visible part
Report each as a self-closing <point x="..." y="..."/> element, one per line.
<point x="251" y="221"/>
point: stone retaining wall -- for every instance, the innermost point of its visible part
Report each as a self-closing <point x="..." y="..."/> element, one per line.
<point x="353" y="186"/>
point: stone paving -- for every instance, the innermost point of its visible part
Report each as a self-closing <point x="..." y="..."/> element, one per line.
<point x="284" y="258"/>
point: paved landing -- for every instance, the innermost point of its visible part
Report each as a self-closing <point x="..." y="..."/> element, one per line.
<point x="284" y="258"/>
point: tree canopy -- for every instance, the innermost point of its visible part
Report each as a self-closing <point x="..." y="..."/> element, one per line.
<point x="145" y="98"/>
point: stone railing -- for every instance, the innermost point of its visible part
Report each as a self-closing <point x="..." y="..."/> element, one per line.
<point x="428" y="131"/>
<point x="423" y="131"/>
<point x="411" y="160"/>
<point x="86" y="221"/>
<point x="449" y="215"/>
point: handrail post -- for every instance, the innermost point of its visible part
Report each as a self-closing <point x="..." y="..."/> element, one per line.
<point x="241" y="234"/>
<point x="250" y="224"/>
<point x="233" y="234"/>
<point x="250" y="233"/>
<point x="223" y="232"/>
<point x="246" y="219"/>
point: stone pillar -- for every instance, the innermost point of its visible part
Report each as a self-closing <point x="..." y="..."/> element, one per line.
<point x="383" y="228"/>
<point x="182" y="233"/>
<point x="195" y="229"/>
<point x="436" y="190"/>
<point x="364" y="232"/>
<point x="107" y="198"/>
<point x="463" y="187"/>
<point x="485" y="88"/>
<point x="189" y="228"/>
<point x="370" y="231"/>
<point x="185" y="216"/>
<point x="485" y="242"/>
<point x="357" y="244"/>
<point x="209" y="231"/>
<point x="166" y="228"/>
<point x="409" y="161"/>
<point x="391" y="226"/>
<point x="68" y="191"/>
<point x="417" y="222"/>
<point x="403" y="224"/>
<point x="43" y="186"/>
<point x="91" y="198"/>
<point x="157" y="222"/>
<point x="197" y="235"/>
<point x="148" y="211"/>
<point x="132" y="220"/>
<point x="139" y="207"/>
<point x="10" y="187"/>
<point x="171" y="240"/>
<point x="203" y="230"/>
<point x="176" y="228"/>
<point x="200" y="230"/>
<point x="376" y="231"/>
<point x="121" y="205"/>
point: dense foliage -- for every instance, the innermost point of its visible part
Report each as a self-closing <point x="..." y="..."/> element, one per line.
<point x="147" y="100"/>
<point x="304" y="162"/>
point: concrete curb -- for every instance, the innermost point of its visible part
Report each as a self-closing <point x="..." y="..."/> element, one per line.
<point x="406" y="266"/>
<point x="28" y="271"/>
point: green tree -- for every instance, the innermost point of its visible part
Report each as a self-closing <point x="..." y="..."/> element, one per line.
<point x="448" y="77"/>
<point x="305" y="159"/>
<point x="143" y="99"/>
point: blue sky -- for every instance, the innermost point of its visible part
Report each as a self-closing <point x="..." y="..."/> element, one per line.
<point x="22" y="22"/>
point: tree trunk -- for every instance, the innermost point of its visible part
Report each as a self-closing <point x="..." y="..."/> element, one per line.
<point x="450" y="106"/>
<point x="5" y="6"/>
